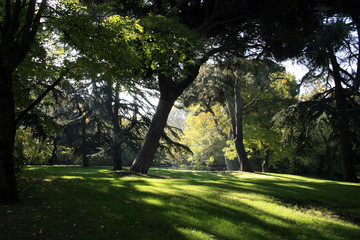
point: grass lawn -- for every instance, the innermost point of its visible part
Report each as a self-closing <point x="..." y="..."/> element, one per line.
<point x="93" y="203"/>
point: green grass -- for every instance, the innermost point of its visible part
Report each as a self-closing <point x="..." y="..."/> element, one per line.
<point x="92" y="203"/>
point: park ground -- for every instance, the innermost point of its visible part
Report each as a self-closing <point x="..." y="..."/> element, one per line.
<point x="96" y="203"/>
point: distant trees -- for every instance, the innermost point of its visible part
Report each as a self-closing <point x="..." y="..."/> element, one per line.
<point x="332" y="54"/>
<point x="203" y="136"/>
<point x="251" y="92"/>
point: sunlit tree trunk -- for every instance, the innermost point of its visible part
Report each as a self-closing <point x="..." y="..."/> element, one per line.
<point x="147" y="152"/>
<point x="236" y="117"/>
<point x="239" y="139"/>
<point x="169" y="92"/>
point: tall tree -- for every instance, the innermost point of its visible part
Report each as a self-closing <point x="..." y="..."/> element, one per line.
<point x="227" y="26"/>
<point x="243" y="86"/>
<point x="20" y="21"/>
<point x="333" y="55"/>
<point x="20" y="24"/>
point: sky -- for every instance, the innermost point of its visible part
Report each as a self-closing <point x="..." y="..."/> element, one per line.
<point x="295" y="69"/>
<point x="298" y="71"/>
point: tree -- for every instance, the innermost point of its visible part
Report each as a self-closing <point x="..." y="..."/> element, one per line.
<point x="258" y="91"/>
<point x="202" y="136"/>
<point x="229" y="26"/>
<point x="279" y="92"/>
<point x="20" y="22"/>
<point x="332" y="55"/>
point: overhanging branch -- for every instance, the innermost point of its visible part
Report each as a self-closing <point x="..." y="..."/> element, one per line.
<point x="39" y="99"/>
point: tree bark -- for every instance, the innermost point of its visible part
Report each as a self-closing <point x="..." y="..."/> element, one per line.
<point x="83" y="146"/>
<point x="342" y="125"/>
<point x="14" y="47"/>
<point x="169" y="92"/>
<point x="235" y="112"/>
<point x="265" y="164"/>
<point x="239" y="139"/>
<point x="86" y="162"/>
<point x="146" y="154"/>
<point x="8" y="188"/>
<point x="53" y="158"/>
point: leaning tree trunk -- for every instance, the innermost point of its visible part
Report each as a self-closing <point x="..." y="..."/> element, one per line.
<point x="343" y="126"/>
<point x="169" y="92"/>
<point x="146" y="154"/>
<point x="239" y="139"/>
<point x="8" y="188"/>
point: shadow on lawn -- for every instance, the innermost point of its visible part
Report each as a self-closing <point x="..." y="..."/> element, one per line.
<point x="103" y="206"/>
<point x="333" y="199"/>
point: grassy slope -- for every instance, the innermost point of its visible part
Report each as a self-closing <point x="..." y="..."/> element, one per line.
<point x="79" y="203"/>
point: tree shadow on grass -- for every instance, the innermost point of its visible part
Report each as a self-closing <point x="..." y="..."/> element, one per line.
<point x="104" y="206"/>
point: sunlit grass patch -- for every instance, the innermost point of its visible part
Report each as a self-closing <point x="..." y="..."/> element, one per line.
<point x="93" y="203"/>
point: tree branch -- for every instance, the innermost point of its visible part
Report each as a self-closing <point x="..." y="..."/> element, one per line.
<point x="39" y="99"/>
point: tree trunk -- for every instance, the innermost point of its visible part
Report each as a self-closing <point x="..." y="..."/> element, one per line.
<point x="330" y="163"/>
<point x="14" y="46"/>
<point x="342" y="125"/>
<point x="235" y="112"/>
<point x="86" y="162"/>
<point x="116" y="118"/>
<point x="169" y="92"/>
<point x="228" y="162"/>
<point x="146" y="155"/>
<point x="347" y="154"/>
<point x="265" y="164"/>
<point x="327" y="157"/>
<point x="53" y="158"/>
<point x="8" y="188"/>
<point x="239" y="140"/>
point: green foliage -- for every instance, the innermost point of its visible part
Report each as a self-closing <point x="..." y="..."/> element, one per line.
<point x="29" y="150"/>
<point x="265" y="90"/>
<point x="230" y="151"/>
<point x="166" y="43"/>
<point x="203" y="138"/>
